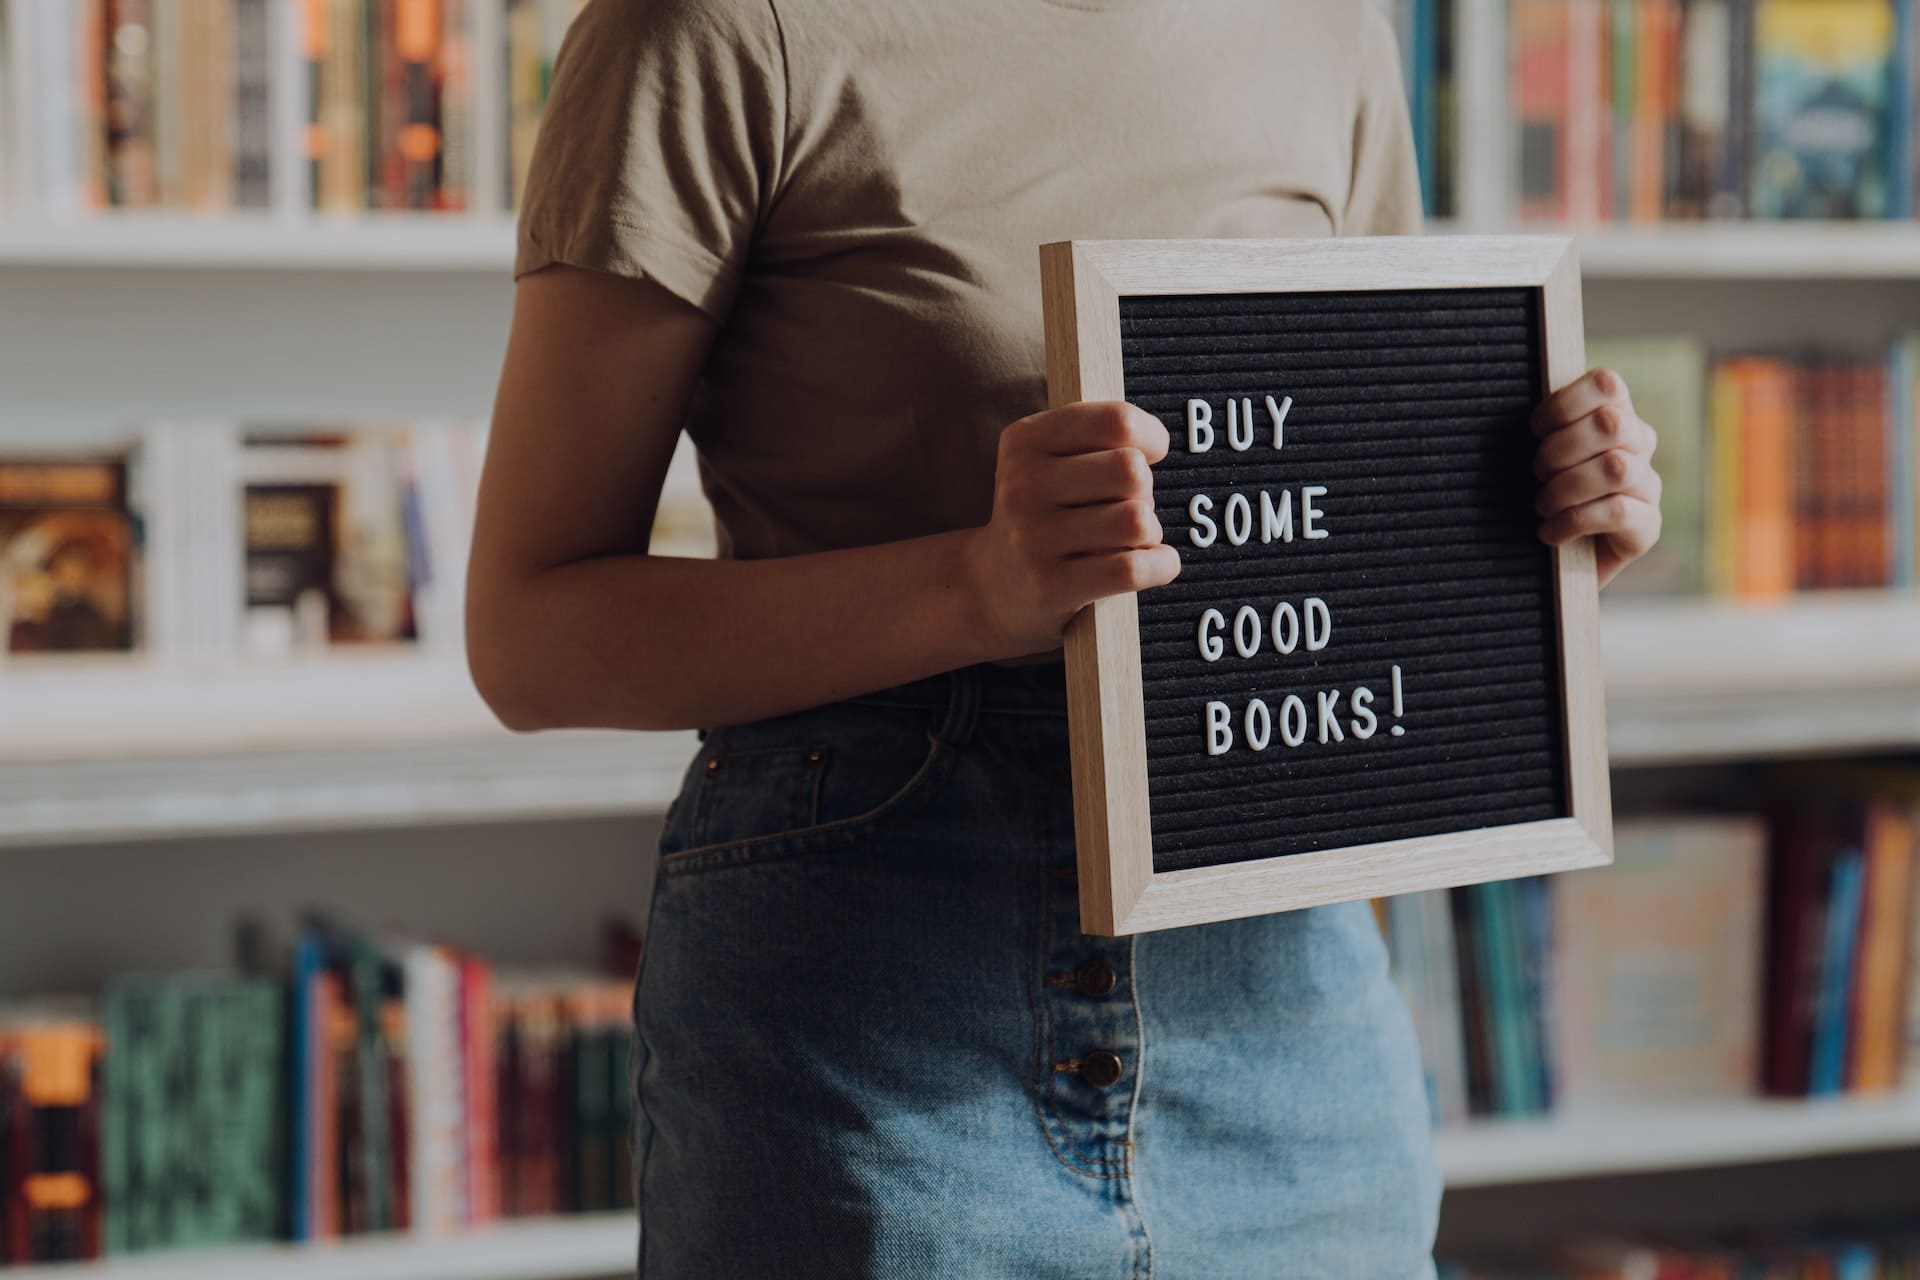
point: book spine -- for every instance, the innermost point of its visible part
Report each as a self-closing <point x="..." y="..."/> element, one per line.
<point x="252" y="107"/>
<point x="1873" y="1064"/>
<point x="481" y="1156"/>
<point x="417" y="35"/>
<point x="1827" y="1071"/>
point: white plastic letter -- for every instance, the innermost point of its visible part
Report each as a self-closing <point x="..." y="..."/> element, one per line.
<point x="1239" y="519"/>
<point x="1276" y="522"/>
<point x="1197" y="510"/>
<point x="1199" y="426"/>
<point x="1286" y="627"/>
<point x="1309" y="513"/>
<point x="1293" y="720"/>
<point x="1278" y="412"/>
<point x="1330" y="716"/>
<point x="1318" y="635"/>
<point x="1219" y="729"/>
<point x="1259" y="725"/>
<point x="1212" y="646"/>
<point x="1246" y="631"/>
<point x="1240" y="424"/>
<point x="1364" y="721"/>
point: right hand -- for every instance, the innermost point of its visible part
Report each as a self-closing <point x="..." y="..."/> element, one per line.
<point x="1073" y="521"/>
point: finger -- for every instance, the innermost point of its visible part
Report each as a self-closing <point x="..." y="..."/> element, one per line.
<point x="1092" y="426"/>
<point x="1615" y="471"/>
<point x="1579" y="398"/>
<point x="1107" y="526"/>
<point x="1106" y="573"/>
<point x="1608" y="427"/>
<point x="1631" y="524"/>
<point x="1111" y="475"/>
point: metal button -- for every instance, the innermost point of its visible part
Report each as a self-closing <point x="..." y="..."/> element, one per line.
<point x="1095" y="978"/>
<point x="1102" y="1068"/>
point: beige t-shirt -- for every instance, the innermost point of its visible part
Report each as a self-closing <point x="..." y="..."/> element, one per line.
<point x="858" y="190"/>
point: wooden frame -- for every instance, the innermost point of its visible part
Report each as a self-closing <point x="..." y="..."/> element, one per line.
<point x="1120" y="892"/>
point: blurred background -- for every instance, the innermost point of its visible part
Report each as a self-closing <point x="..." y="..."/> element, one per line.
<point x="295" y="944"/>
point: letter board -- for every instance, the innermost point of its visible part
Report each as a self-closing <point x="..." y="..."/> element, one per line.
<point x="1370" y="677"/>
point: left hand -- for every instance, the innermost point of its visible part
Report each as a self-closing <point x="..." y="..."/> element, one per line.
<point x="1595" y="464"/>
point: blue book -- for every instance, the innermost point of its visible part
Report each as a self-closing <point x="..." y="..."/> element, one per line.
<point x="1828" y="1073"/>
<point x="309" y="958"/>
<point x="1900" y="162"/>
<point x="1535" y="895"/>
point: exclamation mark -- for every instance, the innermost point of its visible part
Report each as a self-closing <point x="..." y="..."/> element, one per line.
<point x="1399" y="705"/>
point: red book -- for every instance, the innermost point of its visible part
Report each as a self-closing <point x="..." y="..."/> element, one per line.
<point x="1806" y="844"/>
<point x="482" y="1163"/>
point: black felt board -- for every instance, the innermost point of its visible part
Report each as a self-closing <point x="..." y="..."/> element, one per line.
<point x="1411" y="409"/>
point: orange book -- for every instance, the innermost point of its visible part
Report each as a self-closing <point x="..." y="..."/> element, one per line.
<point x="1872" y="564"/>
<point x="1652" y="104"/>
<point x="1879" y="993"/>
<point x="330" y="1018"/>
<point x="477" y="1036"/>
<point x="1812" y="473"/>
<point x="1763" y="520"/>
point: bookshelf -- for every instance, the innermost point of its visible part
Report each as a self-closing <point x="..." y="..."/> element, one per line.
<point x="112" y="318"/>
<point x="401" y="739"/>
<point x="483" y="244"/>
<point x="536" y="1249"/>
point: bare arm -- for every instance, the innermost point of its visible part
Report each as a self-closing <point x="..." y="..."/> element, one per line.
<point x="571" y="623"/>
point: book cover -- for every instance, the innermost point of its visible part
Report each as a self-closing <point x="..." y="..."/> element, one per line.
<point x="1657" y="967"/>
<point x="66" y="556"/>
<point x="1667" y="378"/>
<point x="436" y="1104"/>
<point x="1823" y="98"/>
<point x="1805" y="847"/>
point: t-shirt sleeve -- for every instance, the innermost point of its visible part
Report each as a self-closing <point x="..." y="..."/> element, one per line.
<point x="660" y="145"/>
<point x="1384" y="198"/>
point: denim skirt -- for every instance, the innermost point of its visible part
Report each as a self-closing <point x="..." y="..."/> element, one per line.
<point x="873" y="1042"/>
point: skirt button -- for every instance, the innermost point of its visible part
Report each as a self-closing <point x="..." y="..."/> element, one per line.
<point x="1095" y="979"/>
<point x="1102" y="1068"/>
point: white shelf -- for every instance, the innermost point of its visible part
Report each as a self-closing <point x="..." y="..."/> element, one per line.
<point x="390" y="241"/>
<point x="105" y="750"/>
<point x="584" y="1248"/>
<point x="1702" y="680"/>
<point x="1647" y="1139"/>
<point x="1878" y="251"/>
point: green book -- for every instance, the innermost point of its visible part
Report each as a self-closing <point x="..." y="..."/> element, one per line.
<point x="1667" y="378"/>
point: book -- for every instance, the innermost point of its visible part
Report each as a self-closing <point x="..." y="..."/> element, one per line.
<point x="49" y="1053"/>
<point x="1658" y="960"/>
<point x="1823" y="98"/>
<point x="1667" y="378"/>
<point x="66" y="556"/>
<point x="1876" y="1049"/>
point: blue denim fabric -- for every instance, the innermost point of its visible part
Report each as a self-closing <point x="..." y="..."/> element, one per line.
<point x="863" y="1042"/>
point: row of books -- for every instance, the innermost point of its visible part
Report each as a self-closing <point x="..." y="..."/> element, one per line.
<point x="336" y="105"/>
<point x="1722" y="956"/>
<point x="1781" y="471"/>
<point x="1871" y="1251"/>
<point x="1645" y="110"/>
<point x="362" y="1085"/>
<point x="212" y="538"/>
<point x="1655" y="109"/>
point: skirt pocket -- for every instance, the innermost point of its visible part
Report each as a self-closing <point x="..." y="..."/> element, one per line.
<point x="804" y="784"/>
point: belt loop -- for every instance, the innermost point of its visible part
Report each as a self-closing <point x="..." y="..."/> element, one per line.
<point x="963" y="707"/>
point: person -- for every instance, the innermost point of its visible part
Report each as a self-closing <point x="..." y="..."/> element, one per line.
<point x="871" y="1040"/>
